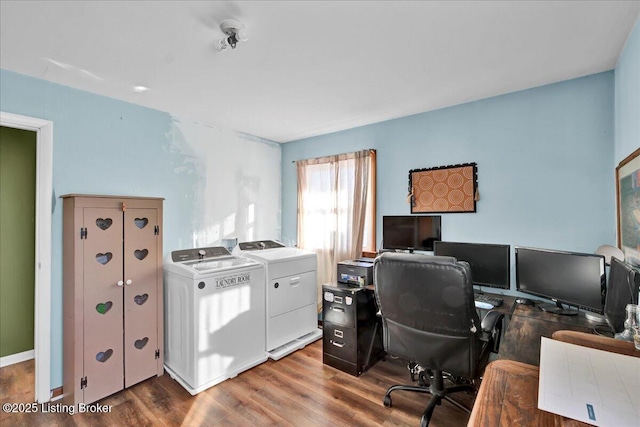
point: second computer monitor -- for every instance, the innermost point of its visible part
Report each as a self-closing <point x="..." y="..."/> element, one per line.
<point x="490" y="263"/>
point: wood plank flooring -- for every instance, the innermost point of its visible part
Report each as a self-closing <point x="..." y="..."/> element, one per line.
<point x="298" y="390"/>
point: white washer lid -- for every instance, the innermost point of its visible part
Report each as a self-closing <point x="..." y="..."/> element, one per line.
<point x="218" y="264"/>
<point x="197" y="269"/>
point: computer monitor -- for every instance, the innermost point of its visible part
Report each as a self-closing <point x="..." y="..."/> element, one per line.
<point x="490" y="263"/>
<point x="575" y="279"/>
<point x="410" y="232"/>
<point x="622" y="289"/>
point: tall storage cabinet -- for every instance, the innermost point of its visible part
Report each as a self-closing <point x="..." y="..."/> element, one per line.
<point x="113" y="308"/>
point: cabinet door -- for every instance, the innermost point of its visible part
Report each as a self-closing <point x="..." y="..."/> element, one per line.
<point x="141" y="271"/>
<point x="103" y="310"/>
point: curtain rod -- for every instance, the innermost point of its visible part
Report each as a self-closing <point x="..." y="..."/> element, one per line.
<point x="371" y="150"/>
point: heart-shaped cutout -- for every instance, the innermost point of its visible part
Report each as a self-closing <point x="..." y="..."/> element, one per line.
<point x="104" y="258"/>
<point x="141" y="254"/>
<point x="103" y="307"/>
<point x="141" y="222"/>
<point x="141" y="299"/>
<point x="139" y="344"/>
<point x="103" y="224"/>
<point x="103" y="356"/>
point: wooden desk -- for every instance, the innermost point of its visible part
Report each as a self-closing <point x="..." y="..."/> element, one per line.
<point x="508" y="395"/>
<point x="521" y="341"/>
<point x="598" y="342"/>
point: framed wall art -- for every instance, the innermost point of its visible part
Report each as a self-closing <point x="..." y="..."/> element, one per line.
<point x="444" y="189"/>
<point x="628" y="201"/>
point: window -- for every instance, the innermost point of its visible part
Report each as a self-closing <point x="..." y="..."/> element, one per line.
<point x="336" y="208"/>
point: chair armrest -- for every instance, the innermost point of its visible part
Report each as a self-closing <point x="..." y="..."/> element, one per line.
<point x="490" y="321"/>
<point x="492" y="329"/>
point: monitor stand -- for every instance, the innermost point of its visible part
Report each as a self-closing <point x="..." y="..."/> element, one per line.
<point x="558" y="308"/>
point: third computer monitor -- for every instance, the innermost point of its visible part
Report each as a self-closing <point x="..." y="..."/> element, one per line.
<point x="576" y="279"/>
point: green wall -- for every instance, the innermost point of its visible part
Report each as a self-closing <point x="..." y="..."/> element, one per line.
<point x="17" y="239"/>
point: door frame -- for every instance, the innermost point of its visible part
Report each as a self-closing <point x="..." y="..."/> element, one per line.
<point x="44" y="194"/>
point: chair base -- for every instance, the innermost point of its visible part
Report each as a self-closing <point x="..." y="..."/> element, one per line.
<point x="438" y="392"/>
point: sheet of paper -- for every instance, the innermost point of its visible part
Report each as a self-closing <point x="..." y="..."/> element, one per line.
<point x="594" y="386"/>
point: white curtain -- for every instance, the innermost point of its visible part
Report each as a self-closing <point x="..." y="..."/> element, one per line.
<point x="332" y="195"/>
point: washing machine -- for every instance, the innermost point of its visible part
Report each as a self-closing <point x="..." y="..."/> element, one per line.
<point x="291" y="292"/>
<point x="214" y="316"/>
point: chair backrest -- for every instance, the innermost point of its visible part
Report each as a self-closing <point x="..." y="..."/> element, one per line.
<point x="624" y="281"/>
<point x="428" y="311"/>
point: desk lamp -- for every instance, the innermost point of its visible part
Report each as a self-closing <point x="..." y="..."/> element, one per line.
<point x="610" y="251"/>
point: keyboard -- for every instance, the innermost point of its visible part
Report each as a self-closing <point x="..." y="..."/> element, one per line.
<point x="490" y="299"/>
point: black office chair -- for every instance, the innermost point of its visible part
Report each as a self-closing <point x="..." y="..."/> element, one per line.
<point x="429" y="319"/>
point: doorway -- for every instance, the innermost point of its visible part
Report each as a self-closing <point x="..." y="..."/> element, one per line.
<point x="42" y="262"/>
<point x="17" y="244"/>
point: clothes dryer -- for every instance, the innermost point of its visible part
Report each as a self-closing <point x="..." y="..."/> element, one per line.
<point x="214" y="316"/>
<point x="291" y="292"/>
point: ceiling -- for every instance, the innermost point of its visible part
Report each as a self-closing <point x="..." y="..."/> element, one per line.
<point x="310" y="67"/>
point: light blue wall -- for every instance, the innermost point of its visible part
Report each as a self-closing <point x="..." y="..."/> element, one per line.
<point x="627" y="98"/>
<point x="544" y="156"/>
<point x="544" y="164"/>
<point x="210" y="178"/>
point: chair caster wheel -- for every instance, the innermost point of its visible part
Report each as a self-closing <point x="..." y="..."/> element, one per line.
<point x="387" y="401"/>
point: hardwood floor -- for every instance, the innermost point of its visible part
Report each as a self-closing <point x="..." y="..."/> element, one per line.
<point x="298" y="390"/>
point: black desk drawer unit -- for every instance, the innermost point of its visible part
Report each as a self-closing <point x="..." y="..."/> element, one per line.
<point x="352" y="333"/>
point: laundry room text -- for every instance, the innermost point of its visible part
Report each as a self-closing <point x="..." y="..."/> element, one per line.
<point x="227" y="281"/>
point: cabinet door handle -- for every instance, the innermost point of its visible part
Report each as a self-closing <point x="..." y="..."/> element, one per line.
<point x="129" y="281"/>
<point x="337" y="309"/>
<point x="338" y="344"/>
<point x="338" y="333"/>
<point x="120" y="283"/>
<point x="294" y="281"/>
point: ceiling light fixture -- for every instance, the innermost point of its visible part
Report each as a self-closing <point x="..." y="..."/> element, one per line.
<point x="235" y="32"/>
<point x="140" y="89"/>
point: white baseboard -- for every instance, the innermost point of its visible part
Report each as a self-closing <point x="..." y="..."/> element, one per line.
<point x="16" y="358"/>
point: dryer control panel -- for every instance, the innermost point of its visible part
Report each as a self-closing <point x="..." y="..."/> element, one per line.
<point x="260" y="244"/>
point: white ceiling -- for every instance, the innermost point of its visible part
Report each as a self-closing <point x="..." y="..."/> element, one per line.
<point x="310" y="68"/>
